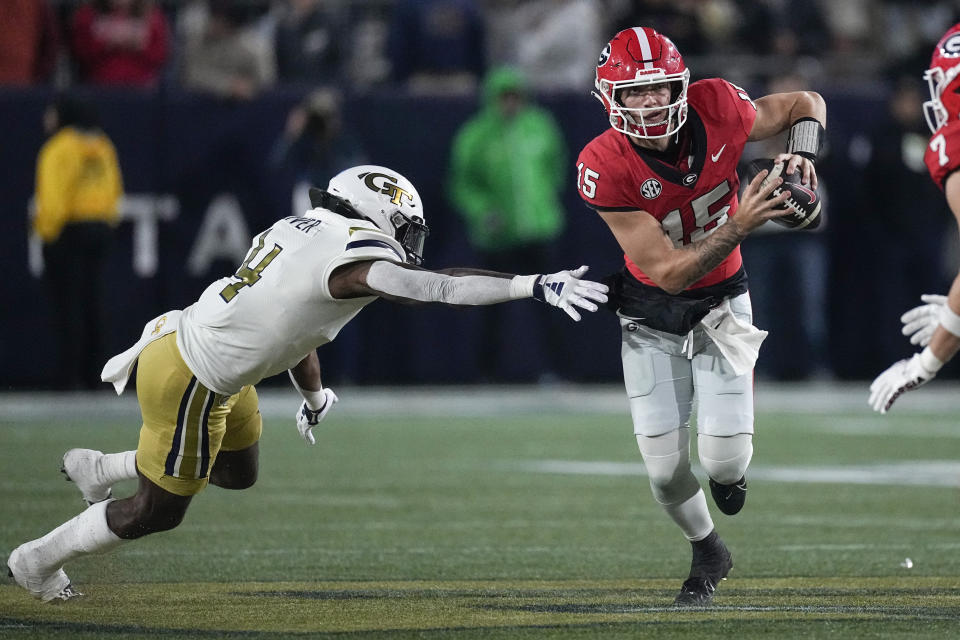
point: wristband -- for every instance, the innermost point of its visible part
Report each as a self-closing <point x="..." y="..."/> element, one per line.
<point x="315" y="399"/>
<point x="950" y="320"/>
<point x="522" y="286"/>
<point x="806" y="138"/>
<point x="929" y="361"/>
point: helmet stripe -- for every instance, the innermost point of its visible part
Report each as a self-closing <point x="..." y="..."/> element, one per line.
<point x="644" y="47"/>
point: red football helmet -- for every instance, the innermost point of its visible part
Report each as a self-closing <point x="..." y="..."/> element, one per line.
<point x="944" y="68"/>
<point x="638" y="57"/>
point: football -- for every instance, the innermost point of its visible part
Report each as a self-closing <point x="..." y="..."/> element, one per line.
<point x="803" y="205"/>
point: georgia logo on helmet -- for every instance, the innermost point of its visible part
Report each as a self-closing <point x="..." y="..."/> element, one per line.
<point x="944" y="102"/>
<point x="639" y="57"/>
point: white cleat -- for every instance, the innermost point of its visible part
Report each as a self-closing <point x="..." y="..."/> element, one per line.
<point x="82" y="467"/>
<point x="46" y="587"/>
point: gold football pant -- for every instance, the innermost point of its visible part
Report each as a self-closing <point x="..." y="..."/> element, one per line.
<point x="185" y="424"/>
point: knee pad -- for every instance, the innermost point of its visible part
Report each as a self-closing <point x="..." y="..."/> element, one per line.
<point x="667" y="459"/>
<point x="725" y="458"/>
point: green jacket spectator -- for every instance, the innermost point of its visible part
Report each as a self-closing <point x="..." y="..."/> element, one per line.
<point x="509" y="162"/>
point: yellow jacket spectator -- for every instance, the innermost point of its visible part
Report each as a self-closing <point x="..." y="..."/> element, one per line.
<point x="77" y="194"/>
<point x="78" y="180"/>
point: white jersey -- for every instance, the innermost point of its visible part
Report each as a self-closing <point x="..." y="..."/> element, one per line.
<point x="277" y="307"/>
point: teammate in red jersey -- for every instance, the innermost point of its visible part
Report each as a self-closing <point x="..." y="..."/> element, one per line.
<point x="664" y="179"/>
<point x="935" y="325"/>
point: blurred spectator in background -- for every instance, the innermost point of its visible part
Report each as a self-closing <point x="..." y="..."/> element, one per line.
<point x="30" y="42"/>
<point x="222" y="53"/>
<point x="554" y="43"/>
<point x="783" y="27"/>
<point x="119" y="42"/>
<point x="308" y="41"/>
<point x="788" y="275"/>
<point x="78" y="190"/>
<point x="508" y="167"/>
<point x="314" y="146"/>
<point x="903" y="221"/>
<point x="437" y="46"/>
<point x="679" y="18"/>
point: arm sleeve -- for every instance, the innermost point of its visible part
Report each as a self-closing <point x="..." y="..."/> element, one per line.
<point x="427" y="286"/>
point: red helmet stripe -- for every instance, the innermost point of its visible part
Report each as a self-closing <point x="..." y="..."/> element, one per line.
<point x="645" y="51"/>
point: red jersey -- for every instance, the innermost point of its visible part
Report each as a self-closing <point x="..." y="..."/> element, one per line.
<point x="691" y="197"/>
<point x="943" y="152"/>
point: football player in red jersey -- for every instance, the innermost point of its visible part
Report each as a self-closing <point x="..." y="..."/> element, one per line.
<point x="935" y="325"/>
<point x="663" y="177"/>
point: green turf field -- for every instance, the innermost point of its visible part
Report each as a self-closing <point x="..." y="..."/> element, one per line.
<point x="507" y="522"/>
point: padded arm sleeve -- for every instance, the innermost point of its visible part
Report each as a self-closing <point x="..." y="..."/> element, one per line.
<point x="427" y="286"/>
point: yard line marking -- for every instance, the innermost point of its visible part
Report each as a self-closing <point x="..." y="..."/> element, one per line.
<point x="914" y="473"/>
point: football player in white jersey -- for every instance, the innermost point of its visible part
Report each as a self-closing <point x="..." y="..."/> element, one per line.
<point x="302" y="281"/>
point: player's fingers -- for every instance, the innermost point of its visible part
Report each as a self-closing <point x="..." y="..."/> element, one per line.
<point x="810" y="175"/>
<point x="571" y="311"/>
<point x="764" y="191"/>
<point x="793" y="164"/>
<point x="916" y="313"/>
<point x="754" y="185"/>
<point x="934" y="298"/>
<point x="591" y="289"/>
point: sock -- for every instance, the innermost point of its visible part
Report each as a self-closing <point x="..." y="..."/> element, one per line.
<point x="84" y="534"/>
<point x="692" y="516"/>
<point x="117" y="466"/>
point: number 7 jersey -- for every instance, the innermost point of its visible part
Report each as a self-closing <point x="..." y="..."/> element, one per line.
<point x="943" y="152"/>
<point x="277" y="307"/>
<point x="691" y="197"/>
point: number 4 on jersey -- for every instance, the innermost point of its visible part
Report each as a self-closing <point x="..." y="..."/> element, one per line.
<point x="247" y="274"/>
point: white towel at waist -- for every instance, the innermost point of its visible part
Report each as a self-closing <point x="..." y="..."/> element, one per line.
<point x="118" y="368"/>
<point x="738" y="340"/>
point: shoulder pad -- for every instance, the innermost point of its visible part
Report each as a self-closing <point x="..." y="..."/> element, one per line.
<point x="364" y="243"/>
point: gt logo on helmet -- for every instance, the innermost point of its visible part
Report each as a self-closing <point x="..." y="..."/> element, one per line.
<point x="389" y="187"/>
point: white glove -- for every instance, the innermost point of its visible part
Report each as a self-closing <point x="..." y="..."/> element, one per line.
<point x="920" y="322"/>
<point x="308" y="418"/>
<point x="567" y="291"/>
<point x="902" y="376"/>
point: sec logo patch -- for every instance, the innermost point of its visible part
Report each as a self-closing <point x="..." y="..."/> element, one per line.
<point x="651" y="188"/>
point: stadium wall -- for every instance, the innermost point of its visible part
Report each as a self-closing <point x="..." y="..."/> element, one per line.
<point x="198" y="186"/>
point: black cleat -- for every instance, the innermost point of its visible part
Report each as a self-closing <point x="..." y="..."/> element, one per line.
<point x="711" y="564"/>
<point x="729" y="497"/>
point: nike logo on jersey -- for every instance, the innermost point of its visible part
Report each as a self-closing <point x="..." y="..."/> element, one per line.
<point x="716" y="156"/>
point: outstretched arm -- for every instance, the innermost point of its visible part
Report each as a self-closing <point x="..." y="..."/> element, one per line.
<point x="406" y="284"/>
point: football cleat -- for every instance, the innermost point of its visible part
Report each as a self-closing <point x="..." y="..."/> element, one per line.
<point x="729" y="497"/>
<point x="82" y="467"/>
<point x="711" y="564"/>
<point x="52" y="587"/>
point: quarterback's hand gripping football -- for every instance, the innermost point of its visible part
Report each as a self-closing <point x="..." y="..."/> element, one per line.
<point x="901" y="377"/>
<point x="567" y="291"/>
<point x="920" y="322"/>
<point x="308" y="418"/>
